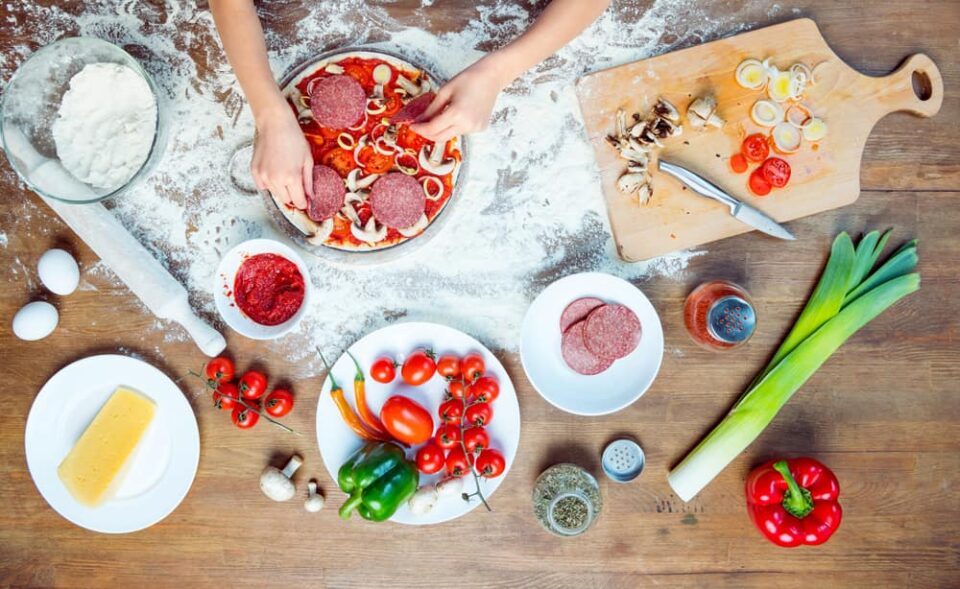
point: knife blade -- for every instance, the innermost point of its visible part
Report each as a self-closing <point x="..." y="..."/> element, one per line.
<point x="739" y="210"/>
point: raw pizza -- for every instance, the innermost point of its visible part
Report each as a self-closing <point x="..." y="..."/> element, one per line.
<point x="376" y="183"/>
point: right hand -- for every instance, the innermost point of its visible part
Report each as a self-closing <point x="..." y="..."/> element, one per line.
<point x="282" y="162"/>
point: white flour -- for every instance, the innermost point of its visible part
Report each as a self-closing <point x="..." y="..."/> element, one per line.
<point x="531" y="210"/>
<point x="105" y="125"/>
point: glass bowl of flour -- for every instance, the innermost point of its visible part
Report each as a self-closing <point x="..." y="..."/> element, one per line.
<point x="81" y="121"/>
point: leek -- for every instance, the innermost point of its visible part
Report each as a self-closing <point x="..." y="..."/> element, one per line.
<point x="815" y="337"/>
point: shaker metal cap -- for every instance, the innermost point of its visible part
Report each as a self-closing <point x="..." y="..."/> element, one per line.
<point x="623" y="460"/>
<point x="731" y="319"/>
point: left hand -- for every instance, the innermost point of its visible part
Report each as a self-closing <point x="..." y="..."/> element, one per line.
<point x="463" y="105"/>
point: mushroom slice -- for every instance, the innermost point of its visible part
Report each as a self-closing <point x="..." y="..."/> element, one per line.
<point x="323" y="232"/>
<point x="665" y="110"/>
<point x="716" y="121"/>
<point x="409" y="87"/>
<point x="631" y="182"/>
<point x="644" y="193"/>
<point x="354" y="182"/>
<point x="621" y="123"/>
<point x="416" y="228"/>
<point x="634" y="155"/>
<point x="370" y="233"/>
<point x="433" y="161"/>
<point x="333" y="69"/>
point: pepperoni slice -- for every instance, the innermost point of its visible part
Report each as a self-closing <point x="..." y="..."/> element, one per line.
<point x="397" y="200"/>
<point x="578" y="311"/>
<point x="414" y="109"/>
<point x="338" y="102"/>
<point x="611" y="331"/>
<point x="577" y="356"/>
<point x="328" y="194"/>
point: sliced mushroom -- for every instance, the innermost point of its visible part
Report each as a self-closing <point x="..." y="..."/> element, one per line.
<point x="631" y="182"/>
<point x="433" y="161"/>
<point x="369" y="233"/>
<point x="416" y="228"/>
<point x="665" y="110"/>
<point x="333" y="69"/>
<point x="409" y="87"/>
<point x="354" y="182"/>
<point x="323" y="232"/>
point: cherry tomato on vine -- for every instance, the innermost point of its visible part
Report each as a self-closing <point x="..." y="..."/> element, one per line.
<point x="776" y="171"/>
<point x="491" y="464"/>
<point x="278" y="403"/>
<point x="418" y="368"/>
<point x="448" y="436"/>
<point x="759" y="184"/>
<point x="383" y="370"/>
<point x="220" y="369"/>
<point x="244" y="418"/>
<point x="448" y="367"/>
<point x="472" y="366"/>
<point x="457" y="463"/>
<point x="252" y="385"/>
<point x="485" y="390"/>
<point x="226" y="395"/>
<point x="479" y="414"/>
<point x="456" y="389"/>
<point x="451" y="411"/>
<point x="476" y="439"/>
<point x="430" y="459"/>
<point x="755" y="148"/>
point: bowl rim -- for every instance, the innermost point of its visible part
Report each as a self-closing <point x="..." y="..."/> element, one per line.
<point x="135" y="65"/>
<point x="245" y="326"/>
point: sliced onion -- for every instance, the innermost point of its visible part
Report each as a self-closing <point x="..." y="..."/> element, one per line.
<point x="814" y="129"/>
<point x="798" y="85"/>
<point x="798" y="115"/>
<point x="766" y="113"/>
<point x="310" y="85"/>
<point x="778" y="88"/>
<point x="751" y="74"/>
<point x="786" y="137"/>
<point x="346" y="141"/>
<point x="432" y="180"/>
<point x="382" y="147"/>
<point x="416" y="228"/>
<point x="408" y="170"/>
<point x="334" y="69"/>
<point x="382" y="74"/>
<point x="360" y="125"/>
<point x="375" y="107"/>
<point x="304" y="102"/>
<point x="802" y="68"/>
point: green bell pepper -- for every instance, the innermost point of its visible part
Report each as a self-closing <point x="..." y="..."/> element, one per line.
<point x="378" y="478"/>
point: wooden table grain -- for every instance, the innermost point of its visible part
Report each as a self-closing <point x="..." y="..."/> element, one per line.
<point x="884" y="412"/>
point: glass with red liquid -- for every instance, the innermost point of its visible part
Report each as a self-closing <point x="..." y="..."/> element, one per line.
<point x="719" y="315"/>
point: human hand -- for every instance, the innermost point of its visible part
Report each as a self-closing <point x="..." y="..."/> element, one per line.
<point x="282" y="162"/>
<point x="463" y="105"/>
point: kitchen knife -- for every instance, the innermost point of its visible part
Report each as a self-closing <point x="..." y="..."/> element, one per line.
<point x="740" y="210"/>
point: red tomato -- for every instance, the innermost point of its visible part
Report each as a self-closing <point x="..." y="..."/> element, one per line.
<point x="430" y="458"/>
<point x="384" y="370"/>
<point x="448" y="436"/>
<point x="406" y="420"/>
<point x="457" y="463"/>
<point x="451" y="411"/>
<point x="755" y="148"/>
<point x="472" y="366"/>
<point x="476" y="439"/>
<point x="226" y="395"/>
<point x="738" y="163"/>
<point x="448" y="367"/>
<point x="776" y="171"/>
<point x="243" y="417"/>
<point x="252" y="385"/>
<point x="418" y="368"/>
<point x="278" y="403"/>
<point x="220" y="369"/>
<point x="456" y="389"/>
<point x="485" y="390"/>
<point x="759" y="184"/>
<point x="479" y="414"/>
<point x="491" y="464"/>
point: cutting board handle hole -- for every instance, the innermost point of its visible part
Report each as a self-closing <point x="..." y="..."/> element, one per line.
<point x="922" y="86"/>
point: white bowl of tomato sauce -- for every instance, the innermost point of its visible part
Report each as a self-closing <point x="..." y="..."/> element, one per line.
<point x="262" y="289"/>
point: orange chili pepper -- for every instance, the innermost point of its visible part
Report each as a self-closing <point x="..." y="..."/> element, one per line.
<point x="346" y="412"/>
<point x="368" y="418"/>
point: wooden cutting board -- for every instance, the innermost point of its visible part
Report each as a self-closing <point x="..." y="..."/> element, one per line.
<point x="825" y="176"/>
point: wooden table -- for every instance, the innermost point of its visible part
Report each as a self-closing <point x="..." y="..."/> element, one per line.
<point x="884" y="412"/>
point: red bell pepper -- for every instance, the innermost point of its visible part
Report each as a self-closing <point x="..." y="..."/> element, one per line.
<point x="794" y="502"/>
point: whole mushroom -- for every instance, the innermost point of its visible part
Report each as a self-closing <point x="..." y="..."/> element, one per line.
<point x="315" y="501"/>
<point x="276" y="483"/>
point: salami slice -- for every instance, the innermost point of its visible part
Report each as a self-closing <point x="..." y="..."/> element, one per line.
<point x="328" y="194"/>
<point x="578" y="311"/>
<point x="576" y="354"/>
<point x="338" y="102"/>
<point x="397" y="200"/>
<point x="611" y="331"/>
<point x="412" y="110"/>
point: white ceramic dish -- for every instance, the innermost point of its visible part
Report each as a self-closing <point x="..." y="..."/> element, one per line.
<point x="337" y="442"/>
<point x="162" y="468"/>
<point x="615" y="388"/>
<point x="223" y="289"/>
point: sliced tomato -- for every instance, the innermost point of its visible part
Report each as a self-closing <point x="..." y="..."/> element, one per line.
<point x="378" y="163"/>
<point x="339" y="159"/>
<point x="738" y="163"/>
<point x="758" y="184"/>
<point x="776" y="171"/>
<point x="755" y="148"/>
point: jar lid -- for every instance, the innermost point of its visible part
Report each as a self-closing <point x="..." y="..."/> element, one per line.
<point x="731" y="320"/>
<point x="623" y="460"/>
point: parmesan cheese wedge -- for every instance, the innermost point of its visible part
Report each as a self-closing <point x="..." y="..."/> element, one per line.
<point x="91" y="470"/>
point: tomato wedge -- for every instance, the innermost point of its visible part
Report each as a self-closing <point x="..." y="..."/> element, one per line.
<point x="758" y="184"/>
<point x="776" y="171"/>
<point x="755" y="148"/>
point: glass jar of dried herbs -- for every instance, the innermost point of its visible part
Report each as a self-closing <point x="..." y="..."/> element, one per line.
<point x="566" y="499"/>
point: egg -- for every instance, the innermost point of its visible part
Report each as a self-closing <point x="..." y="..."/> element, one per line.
<point x="59" y="271"/>
<point x="35" y="321"/>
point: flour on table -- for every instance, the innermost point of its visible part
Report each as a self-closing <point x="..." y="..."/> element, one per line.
<point x="530" y="212"/>
<point x="106" y="124"/>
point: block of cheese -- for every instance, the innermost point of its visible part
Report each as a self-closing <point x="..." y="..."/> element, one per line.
<point x="91" y="470"/>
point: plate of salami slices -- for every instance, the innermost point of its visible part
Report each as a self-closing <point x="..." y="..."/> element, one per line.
<point x="591" y="343"/>
<point x="377" y="186"/>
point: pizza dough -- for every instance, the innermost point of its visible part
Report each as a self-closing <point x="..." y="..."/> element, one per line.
<point x="414" y="109"/>
<point x="329" y="192"/>
<point x="578" y="311"/>
<point x="611" y="331"/>
<point x="397" y="200"/>
<point x="576" y="354"/>
<point x="338" y="101"/>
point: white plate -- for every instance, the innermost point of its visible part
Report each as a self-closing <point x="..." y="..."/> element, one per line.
<point x="615" y="388"/>
<point x="337" y="442"/>
<point x="223" y="289"/>
<point x="162" y="468"/>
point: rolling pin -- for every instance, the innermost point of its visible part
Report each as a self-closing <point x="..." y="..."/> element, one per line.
<point x="108" y="238"/>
